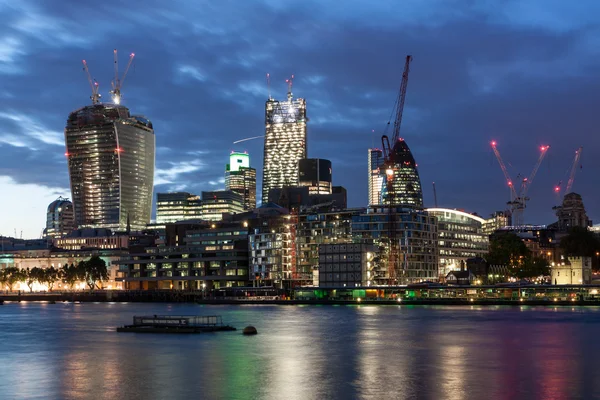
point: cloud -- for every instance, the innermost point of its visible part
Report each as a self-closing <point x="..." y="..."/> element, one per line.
<point x="192" y="72"/>
<point x="168" y="175"/>
<point x="32" y="129"/>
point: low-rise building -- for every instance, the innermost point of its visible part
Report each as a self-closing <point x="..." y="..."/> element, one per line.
<point x="577" y="271"/>
<point x="346" y="265"/>
<point x="177" y="206"/>
<point x="197" y="255"/>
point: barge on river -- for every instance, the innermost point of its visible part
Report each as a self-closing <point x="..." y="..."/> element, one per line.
<point x="176" y="324"/>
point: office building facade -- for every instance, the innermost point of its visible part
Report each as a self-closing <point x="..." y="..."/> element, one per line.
<point x="416" y="236"/>
<point x="60" y="220"/>
<point x="111" y="167"/>
<point x="285" y="142"/>
<point x="375" y="160"/>
<point x="218" y="202"/>
<point x="460" y="237"/>
<point x="241" y="178"/>
<point x="177" y="206"/>
<point x="316" y="174"/>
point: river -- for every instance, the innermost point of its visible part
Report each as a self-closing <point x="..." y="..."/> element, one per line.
<point x="71" y="351"/>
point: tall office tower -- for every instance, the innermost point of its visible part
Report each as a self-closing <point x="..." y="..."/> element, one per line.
<point x="111" y="166"/>
<point x="316" y="174"/>
<point x="375" y="176"/>
<point x="177" y="206"/>
<point x="406" y="184"/>
<point x="59" y="218"/>
<point x="285" y="142"/>
<point x="240" y="178"/>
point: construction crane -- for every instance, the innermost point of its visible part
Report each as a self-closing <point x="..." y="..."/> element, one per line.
<point x="389" y="166"/>
<point x="93" y="84"/>
<point x="558" y="189"/>
<point x="117" y="83"/>
<point x="518" y="200"/>
<point x="290" y="83"/>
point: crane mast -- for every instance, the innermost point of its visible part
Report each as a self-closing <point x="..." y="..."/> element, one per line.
<point x="399" y="111"/>
<point x="93" y="84"/>
<point x="389" y="168"/>
<point x="117" y="83"/>
<point x="573" y="169"/>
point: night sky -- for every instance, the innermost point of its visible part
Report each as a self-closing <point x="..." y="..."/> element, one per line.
<point x="522" y="72"/>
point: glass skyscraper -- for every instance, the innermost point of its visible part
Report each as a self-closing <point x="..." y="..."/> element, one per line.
<point x="111" y="167"/>
<point x="240" y="178"/>
<point x="405" y="183"/>
<point x="375" y="176"/>
<point x="285" y="143"/>
<point x="177" y="206"/>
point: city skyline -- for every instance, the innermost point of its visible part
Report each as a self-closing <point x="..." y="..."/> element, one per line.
<point x="530" y="83"/>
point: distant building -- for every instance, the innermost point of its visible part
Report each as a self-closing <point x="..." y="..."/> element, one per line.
<point x="285" y="142"/>
<point x="177" y="206"/>
<point x="375" y="161"/>
<point x="299" y="197"/>
<point x="241" y="178"/>
<point x="402" y="185"/>
<point x="416" y="234"/>
<point x="315" y="228"/>
<point x="272" y="249"/>
<point x="571" y="213"/>
<point x="90" y="238"/>
<point x="218" y="202"/>
<point x="59" y="218"/>
<point x="346" y="265"/>
<point x="315" y="173"/>
<point x="578" y="271"/>
<point x="110" y="156"/>
<point x="198" y="256"/>
<point x="460" y="237"/>
<point x="497" y="220"/>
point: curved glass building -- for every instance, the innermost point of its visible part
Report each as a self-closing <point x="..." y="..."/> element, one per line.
<point x="59" y="218"/>
<point x="406" y="184"/>
<point x="111" y="167"/>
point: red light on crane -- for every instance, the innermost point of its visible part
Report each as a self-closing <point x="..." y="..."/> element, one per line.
<point x="493" y="143"/>
<point x="557" y="189"/>
<point x="119" y="150"/>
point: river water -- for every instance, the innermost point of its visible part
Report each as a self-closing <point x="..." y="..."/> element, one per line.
<point x="71" y="351"/>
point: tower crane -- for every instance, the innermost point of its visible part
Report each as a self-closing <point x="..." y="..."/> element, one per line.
<point x="518" y="200"/>
<point x="573" y="169"/>
<point x="117" y="83"/>
<point x="558" y="187"/>
<point x="93" y="84"/>
<point x="389" y="167"/>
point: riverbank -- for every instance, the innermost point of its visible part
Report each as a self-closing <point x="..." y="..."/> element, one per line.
<point x="182" y="297"/>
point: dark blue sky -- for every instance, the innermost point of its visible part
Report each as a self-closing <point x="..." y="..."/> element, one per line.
<point x="522" y="72"/>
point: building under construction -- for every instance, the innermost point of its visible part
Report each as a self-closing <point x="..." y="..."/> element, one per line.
<point x="110" y="156"/>
<point x="285" y="142"/>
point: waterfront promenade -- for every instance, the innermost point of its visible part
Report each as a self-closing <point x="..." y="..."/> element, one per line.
<point x="584" y="295"/>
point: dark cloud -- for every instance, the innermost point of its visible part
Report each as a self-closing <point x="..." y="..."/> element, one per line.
<point x="524" y="78"/>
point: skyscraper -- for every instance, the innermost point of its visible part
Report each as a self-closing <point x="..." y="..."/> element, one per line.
<point x="218" y="202"/>
<point x="316" y="174"/>
<point x="111" y="166"/>
<point x="241" y="178"/>
<point x="285" y="142"/>
<point x="59" y="218"/>
<point x="375" y="176"/>
<point x="403" y="179"/>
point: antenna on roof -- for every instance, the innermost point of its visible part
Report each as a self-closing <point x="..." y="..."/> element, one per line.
<point x="269" y="85"/>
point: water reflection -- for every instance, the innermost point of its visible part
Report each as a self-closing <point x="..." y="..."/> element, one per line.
<point x="72" y="351"/>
